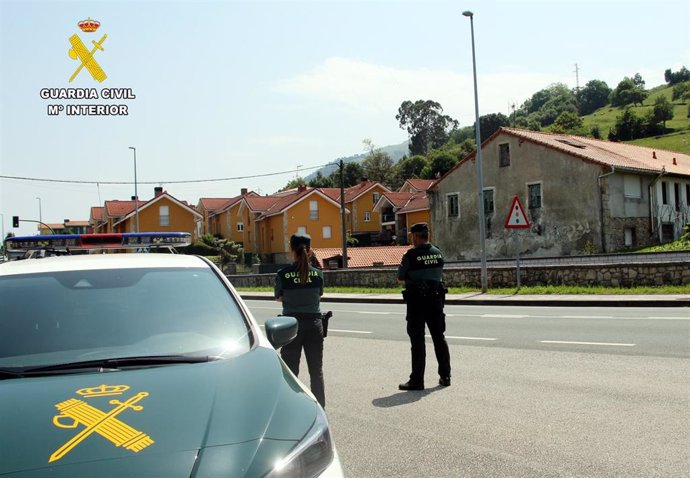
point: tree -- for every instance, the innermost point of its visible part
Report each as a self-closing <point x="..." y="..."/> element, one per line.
<point x="567" y="122"/>
<point x="627" y="93"/>
<point x="352" y="174"/>
<point x="321" y="181"/>
<point x="638" y="81"/>
<point x="426" y="124"/>
<point x="628" y="126"/>
<point x="378" y="165"/>
<point x="677" y="77"/>
<point x="545" y="105"/>
<point x="663" y="110"/>
<point x="409" y="168"/>
<point x="681" y="91"/>
<point x="489" y="124"/>
<point x="592" y="96"/>
<point x="439" y="163"/>
<point x="294" y="183"/>
<point x="595" y="132"/>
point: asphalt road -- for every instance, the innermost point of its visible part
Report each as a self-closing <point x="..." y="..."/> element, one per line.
<point x="519" y="406"/>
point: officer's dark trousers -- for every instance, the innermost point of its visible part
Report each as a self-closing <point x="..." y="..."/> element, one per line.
<point x="429" y="312"/>
<point x="309" y="337"/>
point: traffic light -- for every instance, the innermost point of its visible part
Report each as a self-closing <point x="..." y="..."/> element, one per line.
<point x="15" y="221"/>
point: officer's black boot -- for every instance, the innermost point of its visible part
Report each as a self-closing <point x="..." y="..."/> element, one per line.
<point x="410" y="385"/>
<point x="444" y="381"/>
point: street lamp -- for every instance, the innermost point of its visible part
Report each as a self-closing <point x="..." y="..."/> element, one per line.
<point x="40" y="214"/>
<point x="136" y="194"/>
<point x="480" y="173"/>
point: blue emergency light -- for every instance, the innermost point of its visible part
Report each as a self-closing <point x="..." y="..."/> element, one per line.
<point x="128" y="240"/>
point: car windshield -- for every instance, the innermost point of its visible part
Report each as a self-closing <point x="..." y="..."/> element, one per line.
<point x="74" y="316"/>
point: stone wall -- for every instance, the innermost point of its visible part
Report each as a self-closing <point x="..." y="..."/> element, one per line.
<point x="609" y="275"/>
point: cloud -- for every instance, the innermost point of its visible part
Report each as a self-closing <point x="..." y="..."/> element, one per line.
<point x="284" y="140"/>
<point x="372" y="89"/>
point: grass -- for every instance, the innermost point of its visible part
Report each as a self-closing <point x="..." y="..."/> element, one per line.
<point x="529" y="290"/>
<point x="678" y="140"/>
<point x="677" y="246"/>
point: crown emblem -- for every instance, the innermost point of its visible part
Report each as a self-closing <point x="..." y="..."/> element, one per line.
<point x="89" y="25"/>
<point x="103" y="390"/>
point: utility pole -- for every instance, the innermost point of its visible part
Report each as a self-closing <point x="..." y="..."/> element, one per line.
<point x="136" y="193"/>
<point x="342" y="212"/>
<point x="577" y="78"/>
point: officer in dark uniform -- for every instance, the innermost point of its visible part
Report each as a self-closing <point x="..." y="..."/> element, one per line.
<point x="421" y="270"/>
<point x="299" y="287"/>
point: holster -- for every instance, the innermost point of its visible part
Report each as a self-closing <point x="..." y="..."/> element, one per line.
<point x="325" y="318"/>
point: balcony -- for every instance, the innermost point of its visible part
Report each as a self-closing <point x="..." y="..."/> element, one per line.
<point x="387" y="218"/>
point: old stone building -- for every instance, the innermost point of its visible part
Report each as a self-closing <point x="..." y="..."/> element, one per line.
<point x="580" y="195"/>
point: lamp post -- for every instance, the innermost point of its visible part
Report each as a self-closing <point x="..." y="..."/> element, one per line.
<point x="40" y="213"/>
<point x="480" y="174"/>
<point x="136" y="194"/>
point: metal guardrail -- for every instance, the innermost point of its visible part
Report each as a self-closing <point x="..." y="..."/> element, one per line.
<point x="596" y="259"/>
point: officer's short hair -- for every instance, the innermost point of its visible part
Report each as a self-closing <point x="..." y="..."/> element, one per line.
<point x="421" y="229"/>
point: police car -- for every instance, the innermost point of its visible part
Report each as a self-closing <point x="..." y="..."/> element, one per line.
<point x="145" y="365"/>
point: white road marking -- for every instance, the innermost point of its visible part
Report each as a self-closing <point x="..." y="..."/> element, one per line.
<point x="669" y="318"/>
<point x="465" y="338"/>
<point x="504" y="316"/>
<point x="586" y="343"/>
<point x="350" y="331"/>
<point x="585" y="316"/>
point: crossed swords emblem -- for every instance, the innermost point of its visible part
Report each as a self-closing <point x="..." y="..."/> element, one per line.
<point x="103" y="423"/>
<point x="86" y="57"/>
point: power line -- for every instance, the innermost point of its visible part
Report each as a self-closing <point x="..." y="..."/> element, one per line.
<point x="186" y="181"/>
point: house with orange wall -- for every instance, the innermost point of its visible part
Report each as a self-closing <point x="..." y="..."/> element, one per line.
<point x="400" y="210"/>
<point x="360" y="199"/>
<point x="161" y="213"/>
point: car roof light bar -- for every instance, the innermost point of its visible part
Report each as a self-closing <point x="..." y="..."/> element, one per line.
<point x="129" y="240"/>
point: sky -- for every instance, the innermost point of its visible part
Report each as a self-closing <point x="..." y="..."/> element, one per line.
<point x="238" y="88"/>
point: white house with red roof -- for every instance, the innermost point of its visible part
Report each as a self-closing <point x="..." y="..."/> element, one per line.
<point x="579" y="194"/>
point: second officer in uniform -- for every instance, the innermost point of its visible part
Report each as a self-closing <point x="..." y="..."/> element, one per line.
<point x="421" y="270"/>
<point x="299" y="287"/>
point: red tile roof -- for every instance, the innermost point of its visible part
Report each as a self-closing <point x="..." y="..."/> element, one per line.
<point x="607" y="153"/>
<point x="260" y="203"/>
<point x="416" y="203"/>
<point x="97" y="213"/>
<point x="115" y="208"/>
<point x="364" y="256"/>
<point x="420" y="184"/>
<point x="398" y="200"/>
<point x="214" y="204"/>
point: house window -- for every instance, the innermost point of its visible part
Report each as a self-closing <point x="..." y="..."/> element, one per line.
<point x="664" y="192"/>
<point x="313" y="210"/>
<point x="376" y="197"/>
<point x="326" y="232"/>
<point x="629" y="236"/>
<point x="534" y="196"/>
<point x="240" y="227"/>
<point x="302" y="230"/>
<point x="632" y="188"/>
<point x="488" y="201"/>
<point x="504" y="155"/>
<point x="164" y="216"/>
<point x="453" y="209"/>
<point x="676" y="195"/>
<point x="367" y="216"/>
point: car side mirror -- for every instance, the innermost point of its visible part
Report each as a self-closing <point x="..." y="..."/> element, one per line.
<point x="281" y="330"/>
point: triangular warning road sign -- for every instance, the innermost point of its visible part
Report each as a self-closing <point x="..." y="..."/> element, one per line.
<point x="517" y="219"/>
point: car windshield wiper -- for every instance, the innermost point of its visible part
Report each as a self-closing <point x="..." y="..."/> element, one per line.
<point x="5" y="373"/>
<point x="116" y="363"/>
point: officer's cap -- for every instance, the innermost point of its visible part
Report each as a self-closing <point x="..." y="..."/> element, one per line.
<point x="298" y="239"/>
<point x="420" y="228"/>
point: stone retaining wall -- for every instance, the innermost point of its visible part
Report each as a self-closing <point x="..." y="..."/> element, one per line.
<point x="609" y="275"/>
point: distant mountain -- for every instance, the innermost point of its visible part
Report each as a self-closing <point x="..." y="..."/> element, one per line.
<point x="395" y="151"/>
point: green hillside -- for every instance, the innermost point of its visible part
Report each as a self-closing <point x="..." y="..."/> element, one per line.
<point x="678" y="140"/>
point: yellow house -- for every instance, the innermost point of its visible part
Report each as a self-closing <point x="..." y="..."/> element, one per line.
<point x="227" y="222"/>
<point x="364" y="221"/>
<point x="400" y="210"/>
<point x="160" y="214"/>
<point x="208" y="208"/>
<point x="271" y="220"/>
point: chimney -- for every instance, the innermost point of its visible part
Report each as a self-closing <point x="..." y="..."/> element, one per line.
<point x="301" y="188"/>
<point x="134" y="198"/>
<point x="157" y="191"/>
<point x="243" y="191"/>
<point x="653" y="154"/>
<point x="674" y="162"/>
<point x="67" y="220"/>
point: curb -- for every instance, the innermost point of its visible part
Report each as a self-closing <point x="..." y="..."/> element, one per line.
<point x="680" y="302"/>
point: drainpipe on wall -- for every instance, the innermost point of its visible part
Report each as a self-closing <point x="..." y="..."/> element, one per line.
<point x="601" y="206"/>
<point x="652" y="200"/>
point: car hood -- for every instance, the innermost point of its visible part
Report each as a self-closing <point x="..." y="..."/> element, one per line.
<point x="243" y="413"/>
